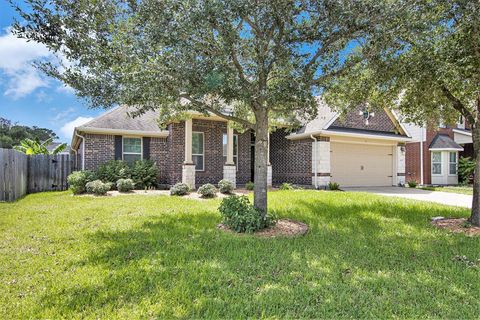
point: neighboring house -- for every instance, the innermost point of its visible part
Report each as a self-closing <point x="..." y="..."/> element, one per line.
<point x="54" y="145"/>
<point x="358" y="149"/>
<point x="433" y="154"/>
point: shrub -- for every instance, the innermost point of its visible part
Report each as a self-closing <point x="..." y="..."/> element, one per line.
<point x="207" y="190"/>
<point x="286" y="186"/>
<point x="412" y="183"/>
<point x="466" y="169"/>
<point x="97" y="187"/>
<point x="239" y="215"/>
<point x="180" y="189"/>
<point x="77" y="180"/>
<point x="144" y="174"/>
<point x="125" y="185"/>
<point x="333" y="186"/>
<point x="225" y="186"/>
<point x="113" y="170"/>
<point x="249" y="185"/>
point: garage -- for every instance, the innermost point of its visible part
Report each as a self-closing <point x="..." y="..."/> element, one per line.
<point x="354" y="165"/>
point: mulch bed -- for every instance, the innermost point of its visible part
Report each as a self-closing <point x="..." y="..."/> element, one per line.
<point x="283" y="228"/>
<point x="457" y="225"/>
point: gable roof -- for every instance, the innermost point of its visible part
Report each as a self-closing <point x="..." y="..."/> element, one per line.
<point x="444" y="142"/>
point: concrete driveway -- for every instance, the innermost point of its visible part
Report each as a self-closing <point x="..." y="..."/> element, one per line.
<point x="451" y="199"/>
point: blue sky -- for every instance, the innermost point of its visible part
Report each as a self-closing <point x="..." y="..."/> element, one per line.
<point x="29" y="97"/>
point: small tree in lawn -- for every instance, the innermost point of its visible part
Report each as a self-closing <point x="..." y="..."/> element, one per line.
<point x="423" y="57"/>
<point x="250" y="62"/>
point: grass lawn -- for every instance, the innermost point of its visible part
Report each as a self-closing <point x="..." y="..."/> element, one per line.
<point x="162" y="257"/>
<point x="452" y="189"/>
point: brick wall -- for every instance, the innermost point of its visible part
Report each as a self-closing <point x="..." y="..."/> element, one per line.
<point x="98" y="150"/>
<point x="380" y="122"/>
<point x="244" y="172"/>
<point x="291" y="159"/>
<point x="176" y="153"/>
<point x="159" y="153"/>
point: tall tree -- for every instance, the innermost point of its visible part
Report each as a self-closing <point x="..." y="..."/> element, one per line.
<point x="13" y="134"/>
<point x="422" y="57"/>
<point x="247" y="61"/>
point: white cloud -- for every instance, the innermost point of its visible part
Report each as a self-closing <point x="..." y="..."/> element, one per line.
<point x="16" y="57"/>
<point x="67" y="129"/>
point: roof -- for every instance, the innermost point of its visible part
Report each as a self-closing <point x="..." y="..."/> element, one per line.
<point x="53" y="145"/>
<point x="444" y="142"/>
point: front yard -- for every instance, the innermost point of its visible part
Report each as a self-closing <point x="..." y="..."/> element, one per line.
<point x="451" y="189"/>
<point x="158" y="256"/>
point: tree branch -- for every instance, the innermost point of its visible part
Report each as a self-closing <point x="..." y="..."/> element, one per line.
<point x="457" y="104"/>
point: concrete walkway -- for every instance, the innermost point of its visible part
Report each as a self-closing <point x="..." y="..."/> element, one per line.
<point x="451" y="199"/>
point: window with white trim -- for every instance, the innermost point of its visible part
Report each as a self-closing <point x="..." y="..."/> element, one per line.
<point x="132" y="149"/>
<point x="198" y="155"/>
<point x="453" y="163"/>
<point x="235" y="148"/>
<point x="436" y="163"/>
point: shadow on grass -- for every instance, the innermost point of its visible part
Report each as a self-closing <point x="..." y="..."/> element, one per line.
<point x="359" y="260"/>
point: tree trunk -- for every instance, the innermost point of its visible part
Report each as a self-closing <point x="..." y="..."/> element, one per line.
<point x="475" y="216"/>
<point x="261" y="159"/>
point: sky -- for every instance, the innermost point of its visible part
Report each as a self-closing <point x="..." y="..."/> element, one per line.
<point x="29" y="97"/>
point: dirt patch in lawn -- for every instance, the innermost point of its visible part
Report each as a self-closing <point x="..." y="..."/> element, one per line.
<point x="457" y="225"/>
<point x="283" y="228"/>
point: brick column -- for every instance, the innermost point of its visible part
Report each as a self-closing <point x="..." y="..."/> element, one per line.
<point x="323" y="162"/>
<point x="188" y="168"/>
<point x="400" y="155"/>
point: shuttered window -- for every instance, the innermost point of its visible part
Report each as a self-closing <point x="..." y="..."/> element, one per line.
<point x="132" y="149"/>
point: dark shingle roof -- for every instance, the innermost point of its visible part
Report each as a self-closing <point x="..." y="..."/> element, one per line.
<point x="443" y="141"/>
<point x="119" y="118"/>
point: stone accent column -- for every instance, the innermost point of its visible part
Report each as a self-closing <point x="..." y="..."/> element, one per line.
<point x="269" y="165"/>
<point x="229" y="168"/>
<point x="188" y="169"/>
<point x="323" y="162"/>
<point x="400" y="174"/>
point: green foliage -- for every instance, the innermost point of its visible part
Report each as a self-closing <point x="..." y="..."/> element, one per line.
<point x="77" y="180"/>
<point x="239" y="215"/>
<point x="12" y="134"/>
<point x="180" y="189"/>
<point x="225" y="186"/>
<point x="286" y="186"/>
<point x="412" y="183"/>
<point x="208" y="190"/>
<point x="125" y="185"/>
<point x="333" y="186"/>
<point x="97" y="187"/>
<point x="144" y="174"/>
<point x="249" y="185"/>
<point x="113" y="170"/>
<point x="466" y="169"/>
<point x="32" y="147"/>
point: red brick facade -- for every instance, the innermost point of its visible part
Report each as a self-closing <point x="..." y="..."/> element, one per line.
<point x="98" y="149"/>
<point x="353" y="120"/>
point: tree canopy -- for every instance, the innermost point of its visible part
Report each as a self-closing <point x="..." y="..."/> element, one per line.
<point x="12" y="134"/>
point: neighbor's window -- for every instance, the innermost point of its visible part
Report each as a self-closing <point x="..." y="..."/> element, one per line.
<point x="235" y="148"/>
<point x="453" y="163"/>
<point x="198" y="155"/>
<point x="436" y="162"/>
<point x="132" y="149"/>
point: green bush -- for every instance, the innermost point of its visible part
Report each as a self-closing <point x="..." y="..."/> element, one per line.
<point x="113" y="170"/>
<point x="466" y="169"/>
<point x="144" y="174"/>
<point x="77" y="180"/>
<point x="250" y="185"/>
<point x="208" y="190"/>
<point x="412" y="183"/>
<point x="125" y="185"/>
<point x="180" y="189"/>
<point x="225" y="186"/>
<point x="240" y="216"/>
<point x="97" y="187"/>
<point x="286" y="186"/>
<point x="333" y="186"/>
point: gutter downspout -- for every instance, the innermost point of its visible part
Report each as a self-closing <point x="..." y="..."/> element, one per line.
<point x="421" y="158"/>
<point x="83" y="149"/>
<point x="315" y="161"/>
<point x="76" y="158"/>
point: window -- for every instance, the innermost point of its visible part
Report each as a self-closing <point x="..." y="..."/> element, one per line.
<point x="453" y="163"/>
<point x="235" y="148"/>
<point x="436" y="163"/>
<point x="198" y="155"/>
<point x="132" y="149"/>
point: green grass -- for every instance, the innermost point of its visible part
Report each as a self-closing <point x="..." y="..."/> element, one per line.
<point x="452" y="189"/>
<point x="162" y="257"/>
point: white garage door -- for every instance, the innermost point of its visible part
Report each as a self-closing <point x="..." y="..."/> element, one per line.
<point x="356" y="165"/>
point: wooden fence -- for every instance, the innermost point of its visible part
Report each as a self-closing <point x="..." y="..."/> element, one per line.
<point x="23" y="174"/>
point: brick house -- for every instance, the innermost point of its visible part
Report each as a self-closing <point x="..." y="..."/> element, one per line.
<point x="356" y="149"/>
<point x="433" y="153"/>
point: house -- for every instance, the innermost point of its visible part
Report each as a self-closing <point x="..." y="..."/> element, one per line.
<point x="52" y="146"/>
<point x="360" y="148"/>
<point x="434" y="151"/>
